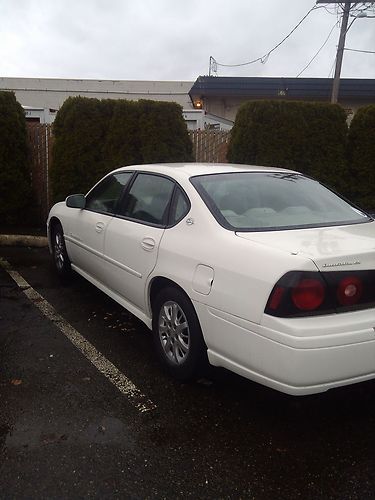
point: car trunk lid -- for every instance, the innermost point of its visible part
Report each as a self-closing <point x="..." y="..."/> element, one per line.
<point x="330" y="248"/>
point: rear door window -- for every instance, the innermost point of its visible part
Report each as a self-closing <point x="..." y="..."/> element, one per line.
<point x="148" y="199"/>
<point x="180" y="208"/>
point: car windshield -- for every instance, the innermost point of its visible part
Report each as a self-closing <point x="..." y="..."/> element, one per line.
<point x="258" y="201"/>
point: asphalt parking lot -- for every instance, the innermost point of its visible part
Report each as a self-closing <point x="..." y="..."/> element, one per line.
<point x="68" y="429"/>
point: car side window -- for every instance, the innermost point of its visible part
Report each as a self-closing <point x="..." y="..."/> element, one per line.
<point x="181" y="207"/>
<point x="104" y="197"/>
<point x="148" y="199"/>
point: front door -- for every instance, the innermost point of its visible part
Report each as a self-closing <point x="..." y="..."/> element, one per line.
<point x="87" y="230"/>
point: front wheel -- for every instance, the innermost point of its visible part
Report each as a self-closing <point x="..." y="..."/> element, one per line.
<point x="177" y="334"/>
<point x="59" y="253"/>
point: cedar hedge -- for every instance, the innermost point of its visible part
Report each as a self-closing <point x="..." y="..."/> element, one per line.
<point x="94" y="136"/>
<point x="361" y="157"/>
<point x="122" y="144"/>
<point x="163" y="133"/>
<point x="15" y="175"/>
<point x="80" y="130"/>
<point x="307" y="137"/>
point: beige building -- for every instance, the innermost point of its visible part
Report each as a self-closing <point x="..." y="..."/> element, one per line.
<point x="218" y="98"/>
<point x="42" y="97"/>
<point x="49" y="93"/>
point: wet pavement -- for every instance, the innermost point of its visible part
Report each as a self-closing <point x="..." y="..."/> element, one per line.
<point x="67" y="432"/>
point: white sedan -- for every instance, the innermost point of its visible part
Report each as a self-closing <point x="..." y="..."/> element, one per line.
<point x="259" y="270"/>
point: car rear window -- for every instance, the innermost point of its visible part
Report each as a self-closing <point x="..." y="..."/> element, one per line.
<point x="258" y="201"/>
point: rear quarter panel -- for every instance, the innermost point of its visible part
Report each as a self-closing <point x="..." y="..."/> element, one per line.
<point x="244" y="272"/>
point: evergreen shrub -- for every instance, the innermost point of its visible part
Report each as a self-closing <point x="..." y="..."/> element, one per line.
<point x="122" y="142"/>
<point x="77" y="160"/>
<point x="361" y="157"/>
<point x="163" y="133"/>
<point x="307" y="137"/>
<point x="15" y="175"/>
<point x="92" y="137"/>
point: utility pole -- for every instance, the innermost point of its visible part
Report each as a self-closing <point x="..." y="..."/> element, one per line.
<point x="340" y="53"/>
<point x="341" y="45"/>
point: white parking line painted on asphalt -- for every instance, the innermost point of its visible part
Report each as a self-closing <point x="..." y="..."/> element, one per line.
<point x="108" y="369"/>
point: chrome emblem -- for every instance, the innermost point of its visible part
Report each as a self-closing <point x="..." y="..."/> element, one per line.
<point x="341" y="264"/>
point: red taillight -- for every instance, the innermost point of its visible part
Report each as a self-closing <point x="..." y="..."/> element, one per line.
<point x="308" y="294"/>
<point x="349" y="291"/>
<point x="275" y="298"/>
<point x="312" y="293"/>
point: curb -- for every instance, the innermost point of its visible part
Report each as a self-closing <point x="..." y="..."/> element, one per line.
<point x="23" y="240"/>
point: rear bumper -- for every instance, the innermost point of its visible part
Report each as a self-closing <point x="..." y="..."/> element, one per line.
<point x="300" y="357"/>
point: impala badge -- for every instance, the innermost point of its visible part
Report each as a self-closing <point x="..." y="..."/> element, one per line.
<point x="341" y="264"/>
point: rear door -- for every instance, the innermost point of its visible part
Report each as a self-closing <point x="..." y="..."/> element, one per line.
<point x="133" y="236"/>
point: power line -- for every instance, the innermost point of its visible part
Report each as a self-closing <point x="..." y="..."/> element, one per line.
<point x="263" y="59"/>
<point x="334" y="11"/>
<point x="328" y="37"/>
<point x="356" y="11"/>
<point x="348" y="9"/>
<point x="363" y="51"/>
<point x="318" y="52"/>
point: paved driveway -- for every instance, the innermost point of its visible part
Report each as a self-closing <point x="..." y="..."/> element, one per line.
<point x="68" y="430"/>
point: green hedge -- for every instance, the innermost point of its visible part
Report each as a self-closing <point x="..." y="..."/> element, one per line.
<point x="361" y="157"/>
<point x="92" y="137"/>
<point x="307" y="137"/>
<point x="80" y="131"/>
<point x="122" y="145"/>
<point x="163" y="133"/>
<point x="15" y="176"/>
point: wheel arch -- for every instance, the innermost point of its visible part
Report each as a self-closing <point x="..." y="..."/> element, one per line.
<point x="157" y="284"/>
<point x="197" y="360"/>
<point x="53" y="222"/>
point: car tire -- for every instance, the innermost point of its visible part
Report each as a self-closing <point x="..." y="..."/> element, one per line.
<point x="177" y="334"/>
<point x="60" y="255"/>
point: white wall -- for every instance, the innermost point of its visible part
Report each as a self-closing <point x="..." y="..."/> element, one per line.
<point x="52" y="92"/>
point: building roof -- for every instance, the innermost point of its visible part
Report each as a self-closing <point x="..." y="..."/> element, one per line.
<point x="281" y="88"/>
<point x="52" y="92"/>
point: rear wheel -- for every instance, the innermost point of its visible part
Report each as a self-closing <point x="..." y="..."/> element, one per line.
<point x="60" y="255"/>
<point x="177" y="334"/>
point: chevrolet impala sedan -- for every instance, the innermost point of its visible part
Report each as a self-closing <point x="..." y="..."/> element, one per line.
<point x="259" y="270"/>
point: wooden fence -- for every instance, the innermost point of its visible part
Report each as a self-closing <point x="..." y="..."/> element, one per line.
<point x="208" y="146"/>
<point x="40" y="147"/>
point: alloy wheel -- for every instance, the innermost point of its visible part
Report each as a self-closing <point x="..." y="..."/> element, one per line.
<point x="59" y="250"/>
<point x="174" y="332"/>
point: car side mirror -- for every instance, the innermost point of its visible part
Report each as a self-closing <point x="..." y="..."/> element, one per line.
<point x="76" y="201"/>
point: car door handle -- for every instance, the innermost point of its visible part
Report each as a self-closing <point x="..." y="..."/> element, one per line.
<point x="99" y="226"/>
<point x="148" y="244"/>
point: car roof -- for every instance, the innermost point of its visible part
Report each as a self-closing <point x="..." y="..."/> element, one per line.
<point x="190" y="169"/>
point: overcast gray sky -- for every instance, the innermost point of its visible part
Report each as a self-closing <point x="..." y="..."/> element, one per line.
<point x="173" y="39"/>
